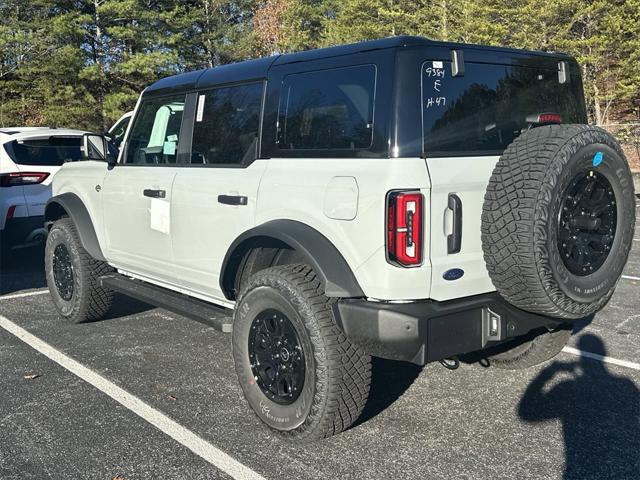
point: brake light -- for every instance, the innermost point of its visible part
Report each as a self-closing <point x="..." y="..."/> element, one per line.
<point x="544" y="118"/>
<point x="404" y="228"/>
<point x="22" y="178"/>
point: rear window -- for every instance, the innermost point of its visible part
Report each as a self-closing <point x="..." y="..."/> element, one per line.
<point x="53" y="151"/>
<point x="328" y="109"/>
<point x="484" y="110"/>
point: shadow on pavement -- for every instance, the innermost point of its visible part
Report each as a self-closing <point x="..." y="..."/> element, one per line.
<point x="22" y="269"/>
<point x="389" y="380"/>
<point x="599" y="412"/>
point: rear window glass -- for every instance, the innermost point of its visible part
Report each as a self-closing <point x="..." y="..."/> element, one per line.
<point x="483" y="111"/>
<point x="50" y="152"/>
<point x="327" y="109"/>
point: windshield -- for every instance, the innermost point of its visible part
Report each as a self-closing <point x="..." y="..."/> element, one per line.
<point x="53" y="151"/>
<point x="484" y="110"/>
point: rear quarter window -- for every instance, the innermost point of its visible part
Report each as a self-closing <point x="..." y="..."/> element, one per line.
<point x="483" y="111"/>
<point x="327" y="109"/>
<point x="48" y="152"/>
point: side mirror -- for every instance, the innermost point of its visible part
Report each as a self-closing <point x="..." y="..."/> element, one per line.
<point x="94" y="147"/>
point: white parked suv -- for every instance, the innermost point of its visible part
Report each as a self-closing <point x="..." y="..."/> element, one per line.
<point x="401" y="198"/>
<point x="29" y="157"/>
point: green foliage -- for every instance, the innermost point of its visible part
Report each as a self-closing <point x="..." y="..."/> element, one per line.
<point x="82" y="63"/>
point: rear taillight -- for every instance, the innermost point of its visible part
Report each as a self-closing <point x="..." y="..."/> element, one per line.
<point x="404" y="228"/>
<point x="544" y="118"/>
<point x="10" y="211"/>
<point x="22" y="178"/>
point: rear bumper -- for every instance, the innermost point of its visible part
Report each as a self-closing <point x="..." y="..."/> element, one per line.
<point x="424" y="331"/>
<point x="21" y="230"/>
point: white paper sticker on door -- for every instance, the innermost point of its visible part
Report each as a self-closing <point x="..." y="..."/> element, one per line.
<point x="160" y="211"/>
<point x="200" y="110"/>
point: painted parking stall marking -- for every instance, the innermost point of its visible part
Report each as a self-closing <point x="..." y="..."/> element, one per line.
<point x="180" y="434"/>
<point x="24" y="294"/>
<point x="602" y="358"/>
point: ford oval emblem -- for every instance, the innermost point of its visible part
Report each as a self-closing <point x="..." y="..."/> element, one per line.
<point x="453" y="274"/>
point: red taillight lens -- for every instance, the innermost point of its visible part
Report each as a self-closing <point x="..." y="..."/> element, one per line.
<point x="404" y="228"/>
<point x="550" y="118"/>
<point x="10" y="212"/>
<point x="22" y="178"/>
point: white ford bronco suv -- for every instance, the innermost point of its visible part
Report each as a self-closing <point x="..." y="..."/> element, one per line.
<point x="402" y="198"/>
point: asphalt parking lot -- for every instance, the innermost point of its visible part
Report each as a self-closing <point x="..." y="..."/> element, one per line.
<point x="574" y="418"/>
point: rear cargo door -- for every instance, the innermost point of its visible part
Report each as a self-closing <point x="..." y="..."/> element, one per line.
<point x="470" y="115"/>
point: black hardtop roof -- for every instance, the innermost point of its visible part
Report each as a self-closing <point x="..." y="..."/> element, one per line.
<point x="257" y="69"/>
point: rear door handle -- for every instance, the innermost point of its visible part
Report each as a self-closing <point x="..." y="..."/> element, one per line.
<point x="148" y="192"/>
<point x="232" y="199"/>
<point x="454" y="240"/>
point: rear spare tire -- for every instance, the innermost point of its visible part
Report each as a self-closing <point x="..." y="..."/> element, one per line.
<point x="558" y="220"/>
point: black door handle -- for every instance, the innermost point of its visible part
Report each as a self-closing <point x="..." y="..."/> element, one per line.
<point x="148" y="192"/>
<point x="232" y="199"/>
<point x="454" y="240"/>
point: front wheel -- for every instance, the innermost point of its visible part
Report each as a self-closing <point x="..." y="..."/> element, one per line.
<point x="72" y="275"/>
<point x="298" y="371"/>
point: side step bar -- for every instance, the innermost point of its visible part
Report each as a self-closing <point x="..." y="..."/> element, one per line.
<point x="212" y="315"/>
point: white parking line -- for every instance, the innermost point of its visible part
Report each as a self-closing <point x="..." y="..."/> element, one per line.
<point x="629" y="277"/>
<point x="25" y="294"/>
<point x="602" y="358"/>
<point x="180" y="434"/>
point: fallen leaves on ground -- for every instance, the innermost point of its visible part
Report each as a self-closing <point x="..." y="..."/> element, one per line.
<point x="31" y="376"/>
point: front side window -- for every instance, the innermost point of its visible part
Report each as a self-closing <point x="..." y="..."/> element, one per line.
<point x="327" y="109"/>
<point x="53" y="151"/>
<point x="155" y="131"/>
<point x="227" y="125"/>
<point x="484" y="110"/>
<point x="118" y="130"/>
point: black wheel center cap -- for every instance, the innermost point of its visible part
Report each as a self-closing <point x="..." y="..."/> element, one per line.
<point x="284" y="354"/>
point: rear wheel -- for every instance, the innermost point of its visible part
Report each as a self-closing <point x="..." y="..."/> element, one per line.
<point x="298" y="371"/>
<point x="72" y="275"/>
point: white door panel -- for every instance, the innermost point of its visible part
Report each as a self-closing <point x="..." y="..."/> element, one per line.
<point x="203" y="228"/>
<point x="467" y="177"/>
<point x="138" y="228"/>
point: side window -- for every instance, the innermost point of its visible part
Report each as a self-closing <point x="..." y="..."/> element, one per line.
<point x="226" y="126"/>
<point x="118" y="130"/>
<point x="155" y="131"/>
<point x="327" y="109"/>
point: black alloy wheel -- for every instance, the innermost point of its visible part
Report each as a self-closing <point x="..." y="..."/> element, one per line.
<point x="63" y="272"/>
<point x="276" y="356"/>
<point x="587" y="223"/>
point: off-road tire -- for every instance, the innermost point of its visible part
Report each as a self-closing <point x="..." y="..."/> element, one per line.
<point x="89" y="301"/>
<point x="337" y="374"/>
<point x="521" y="212"/>
<point x="530" y="350"/>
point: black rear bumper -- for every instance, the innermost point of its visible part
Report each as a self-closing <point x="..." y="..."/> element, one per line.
<point x="425" y="331"/>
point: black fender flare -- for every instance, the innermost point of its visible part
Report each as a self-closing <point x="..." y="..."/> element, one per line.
<point x="334" y="271"/>
<point x="73" y="206"/>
